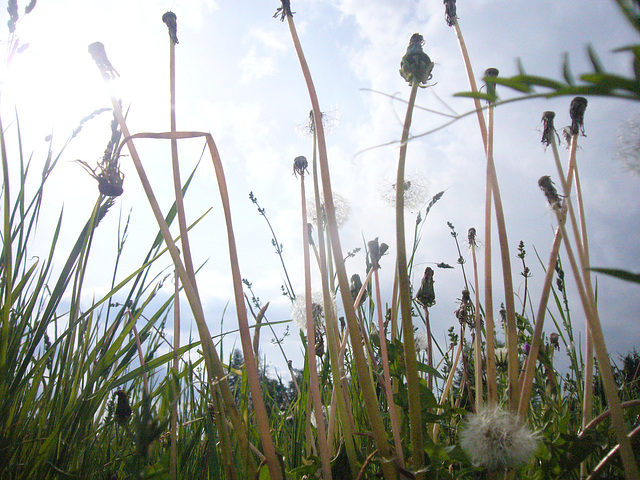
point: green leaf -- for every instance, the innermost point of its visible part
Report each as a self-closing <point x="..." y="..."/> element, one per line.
<point x="595" y="61"/>
<point x="566" y="71"/>
<point x="621" y="274"/>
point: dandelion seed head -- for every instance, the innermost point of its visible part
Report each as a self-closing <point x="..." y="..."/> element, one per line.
<point x="416" y="190"/>
<point x="339" y="203"/>
<point x="299" y="310"/>
<point x="495" y="439"/>
<point x="421" y="340"/>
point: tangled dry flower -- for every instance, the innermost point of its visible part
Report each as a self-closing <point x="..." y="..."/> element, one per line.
<point x="496" y="439"/>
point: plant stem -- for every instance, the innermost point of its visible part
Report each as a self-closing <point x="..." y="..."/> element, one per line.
<point x="368" y="392"/>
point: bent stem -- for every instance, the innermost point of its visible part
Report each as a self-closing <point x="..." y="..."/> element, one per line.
<point x="368" y="391"/>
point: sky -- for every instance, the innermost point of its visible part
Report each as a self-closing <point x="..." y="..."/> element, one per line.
<point x="239" y="79"/>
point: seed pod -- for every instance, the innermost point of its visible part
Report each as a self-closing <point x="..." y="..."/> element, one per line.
<point x="99" y="55"/>
<point x="548" y="130"/>
<point x="450" y="12"/>
<point x="576" y="111"/>
<point x="546" y="185"/>
<point x="416" y="66"/>
<point x="171" y="20"/>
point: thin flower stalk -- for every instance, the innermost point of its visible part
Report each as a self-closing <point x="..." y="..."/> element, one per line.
<point x="173" y="465"/>
<point x="512" y="334"/>
<point x="606" y="372"/>
<point x="477" y="321"/>
<point x="368" y="391"/>
<point x="395" y="426"/>
<point x="314" y="384"/>
<point x="333" y="336"/>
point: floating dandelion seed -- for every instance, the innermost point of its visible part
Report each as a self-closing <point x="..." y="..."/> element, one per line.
<point x="496" y="439"/>
<point x="172" y="24"/>
<point x="416" y="66"/>
<point x="450" y="12"/>
<point x="576" y="111"/>
<point x="339" y="203"/>
<point x="99" y="55"/>
<point x="416" y="190"/>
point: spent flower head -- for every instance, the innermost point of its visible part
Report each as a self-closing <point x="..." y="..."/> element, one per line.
<point x="546" y="185"/>
<point x="340" y="205"/>
<point x="172" y="24"/>
<point x="450" y="12"/>
<point x="548" y="130"/>
<point x="99" y="56"/>
<point x="416" y="66"/>
<point x="299" y="310"/>
<point x="494" y="438"/>
<point x="576" y="111"/>
<point x="284" y="11"/>
<point x="421" y="340"/>
<point x="416" y="190"/>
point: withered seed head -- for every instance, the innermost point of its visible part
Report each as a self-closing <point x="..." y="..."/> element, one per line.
<point x="171" y="20"/>
<point x="426" y="295"/>
<point x="546" y="185"/>
<point x="376" y="251"/>
<point x="284" y="11"/>
<point x="548" y="130"/>
<point x="450" y="12"/>
<point x="472" y="237"/>
<point x="576" y="111"/>
<point x="300" y="165"/>
<point x="99" y="55"/>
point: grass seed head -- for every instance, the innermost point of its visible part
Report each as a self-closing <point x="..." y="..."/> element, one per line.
<point x="172" y="24"/>
<point x="576" y="111"/>
<point x="416" y="66"/>
<point x="450" y="12"/>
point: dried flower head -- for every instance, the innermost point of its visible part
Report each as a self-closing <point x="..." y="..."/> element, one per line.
<point x="496" y="439"/>
<point x="300" y="165"/>
<point x="339" y="204"/>
<point x="426" y="295"/>
<point x="472" y="237"/>
<point x="546" y="185"/>
<point x="12" y="9"/>
<point x="416" y="190"/>
<point x="376" y="251"/>
<point x="284" y="10"/>
<point x="554" y="340"/>
<point x="450" y="12"/>
<point x="99" y="55"/>
<point x="576" y="111"/>
<point x="548" y="130"/>
<point x="355" y="287"/>
<point x="330" y="120"/>
<point x="172" y="24"/>
<point x="107" y="172"/>
<point x="416" y="66"/>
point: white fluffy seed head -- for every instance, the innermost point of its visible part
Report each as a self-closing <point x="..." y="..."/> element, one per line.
<point x="496" y="439"/>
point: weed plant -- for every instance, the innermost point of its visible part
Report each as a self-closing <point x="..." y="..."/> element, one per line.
<point x="99" y="392"/>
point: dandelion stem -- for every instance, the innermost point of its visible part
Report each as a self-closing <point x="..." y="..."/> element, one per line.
<point x="368" y="392"/>
<point x="314" y="385"/>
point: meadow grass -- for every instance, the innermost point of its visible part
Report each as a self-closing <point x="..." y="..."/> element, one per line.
<point x="100" y="392"/>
